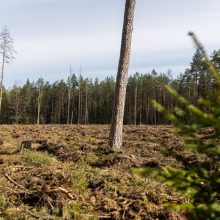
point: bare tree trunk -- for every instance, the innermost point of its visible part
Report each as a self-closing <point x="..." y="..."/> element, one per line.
<point x="135" y="105"/>
<point x="79" y="105"/>
<point x="71" y="118"/>
<point x="100" y="101"/>
<point x="115" y="137"/>
<point x="140" y="113"/>
<point x="59" y="112"/>
<point x="51" y="119"/>
<point x="86" y="105"/>
<point x="147" y="110"/>
<point x="39" y="104"/>
<point x="68" y="110"/>
<point x="130" y="114"/>
<point x="1" y="82"/>
<point x="17" y="102"/>
<point x="164" y="103"/>
<point x="38" y="107"/>
<point x="69" y="96"/>
<point x="38" y="111"/>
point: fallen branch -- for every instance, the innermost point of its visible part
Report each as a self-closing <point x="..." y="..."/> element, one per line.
<point x="15" y="183"/>
<point x="14" y="191"/>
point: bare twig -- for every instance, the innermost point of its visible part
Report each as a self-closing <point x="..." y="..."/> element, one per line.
<point x="99" y="216"/>
<point x="12" y="190"/>
<point x="15" y="183"/>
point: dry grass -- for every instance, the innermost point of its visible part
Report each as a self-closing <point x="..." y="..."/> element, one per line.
<point x="68" y="173"/>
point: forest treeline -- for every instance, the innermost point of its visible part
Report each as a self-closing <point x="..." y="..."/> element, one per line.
<point x="80" y="100"/>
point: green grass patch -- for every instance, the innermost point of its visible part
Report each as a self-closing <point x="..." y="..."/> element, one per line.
<point x="38" y="158"/>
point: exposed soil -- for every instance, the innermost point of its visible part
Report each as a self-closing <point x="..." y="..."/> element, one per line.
<point x="68" y="172"/>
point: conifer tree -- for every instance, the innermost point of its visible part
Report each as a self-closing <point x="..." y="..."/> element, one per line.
<point x="201" y="182"/>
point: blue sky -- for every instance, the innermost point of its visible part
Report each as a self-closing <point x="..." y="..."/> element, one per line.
<point x="50" y="35"/>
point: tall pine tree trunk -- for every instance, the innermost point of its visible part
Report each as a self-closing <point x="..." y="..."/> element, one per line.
<point x="86" y="105"/>
<point x="68" y="107"/>
<point x="135" y="105"/>
<point x="79" y="104"/>
<point x="38" y="106"/>
<point x="115" y="137"/>
<point x="71" y="122"/>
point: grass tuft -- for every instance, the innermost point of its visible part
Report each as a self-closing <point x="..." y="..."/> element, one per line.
<point x="38" y="158"/>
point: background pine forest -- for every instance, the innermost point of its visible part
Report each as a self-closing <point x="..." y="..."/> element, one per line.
<point x="85" y="101"/>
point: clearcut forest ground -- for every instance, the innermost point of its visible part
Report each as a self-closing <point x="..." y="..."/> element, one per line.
<point x="66" y="172"/>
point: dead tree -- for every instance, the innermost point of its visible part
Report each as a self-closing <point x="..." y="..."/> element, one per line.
<point x="7" y="55"/>
<point x="115" y="137"/>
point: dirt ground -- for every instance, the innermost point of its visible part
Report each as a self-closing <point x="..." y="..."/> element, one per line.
<point x="68" y="172"/>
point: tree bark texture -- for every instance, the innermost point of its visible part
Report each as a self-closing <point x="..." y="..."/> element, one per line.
<point x="115" y="137"/>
